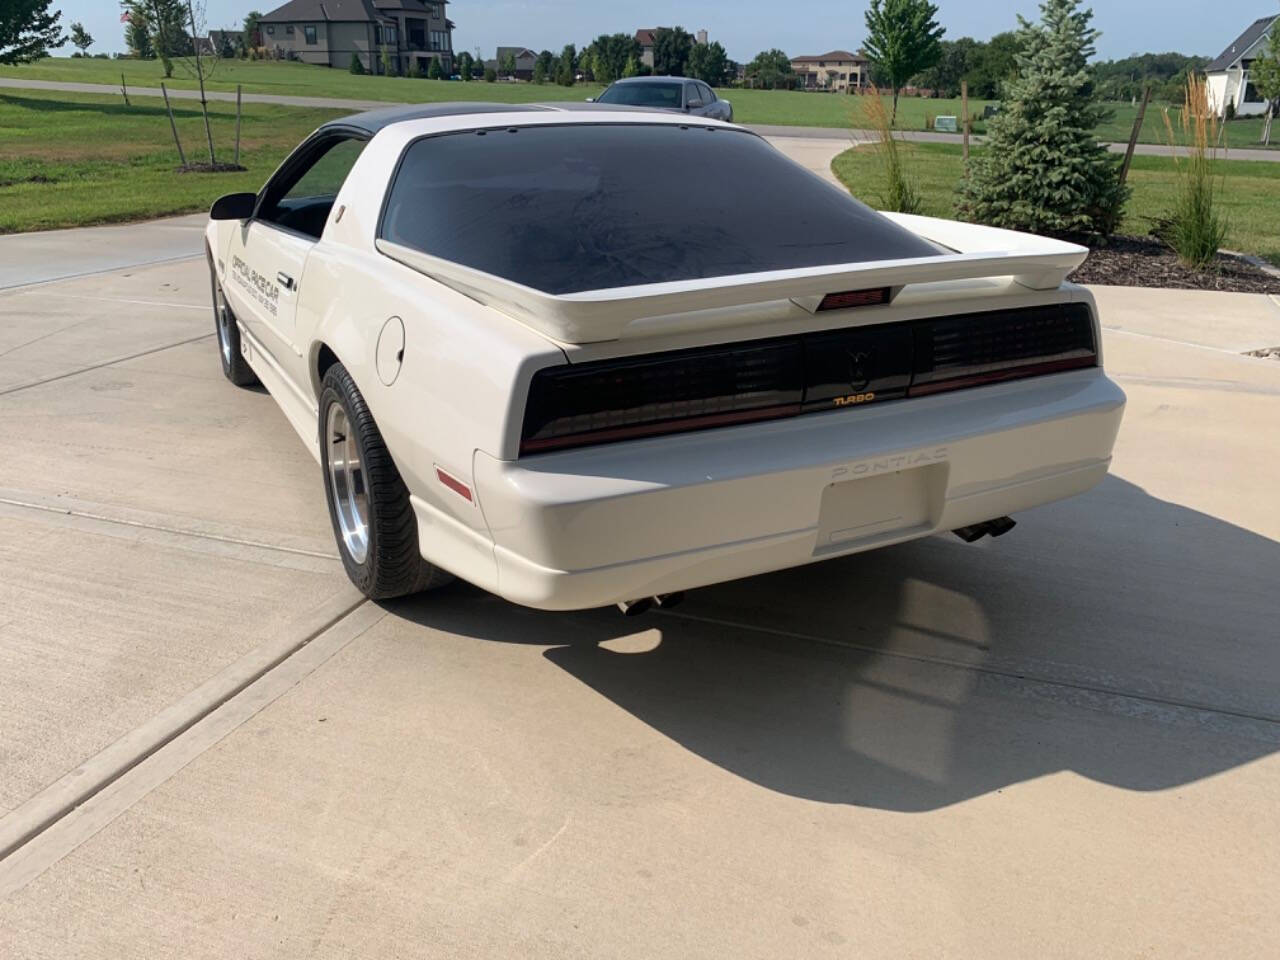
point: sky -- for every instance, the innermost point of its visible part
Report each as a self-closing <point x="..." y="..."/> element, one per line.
<point x="746" y="27"/>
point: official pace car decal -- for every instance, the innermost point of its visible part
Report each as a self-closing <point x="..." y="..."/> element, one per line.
<point x="257" y="285"/>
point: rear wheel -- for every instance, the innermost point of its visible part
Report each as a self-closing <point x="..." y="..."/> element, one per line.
<point x="234" y="366"/>
<point x="369" y="507"/>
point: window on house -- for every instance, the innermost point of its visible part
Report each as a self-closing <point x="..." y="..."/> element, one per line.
<point x="288" y="30"/>
<point x="1251" y="94"/>
<point x="309" y="31"/>
<point x="271" y="31"/>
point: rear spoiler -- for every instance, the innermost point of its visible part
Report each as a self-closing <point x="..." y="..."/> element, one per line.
<point x="594" y="315"/>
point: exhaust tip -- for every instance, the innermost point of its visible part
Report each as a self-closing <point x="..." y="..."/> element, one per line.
<point x="633" y="608"/>
<point x="666" y="601"/>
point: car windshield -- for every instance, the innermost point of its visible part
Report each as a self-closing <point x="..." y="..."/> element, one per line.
<point x="643" y="95"/>
<point x="589" y="206"/>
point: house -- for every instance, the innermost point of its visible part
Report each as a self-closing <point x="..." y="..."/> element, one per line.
<point x="329" y="32"/>
<point x="645" y="39"/>
<point x="838" y="70"/>
<point x="1227" y="77"/>
<point x="524" y="59"/>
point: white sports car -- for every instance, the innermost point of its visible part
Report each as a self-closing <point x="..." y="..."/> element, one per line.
<point x="591" y="356"/>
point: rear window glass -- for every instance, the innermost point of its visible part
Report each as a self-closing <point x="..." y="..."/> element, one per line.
<point x="644" y="95"/>
<point x="579" y="207"/>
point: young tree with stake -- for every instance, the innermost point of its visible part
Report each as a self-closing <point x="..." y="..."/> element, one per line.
<point x="81" y="39"/>
<point x="903" y="39"/>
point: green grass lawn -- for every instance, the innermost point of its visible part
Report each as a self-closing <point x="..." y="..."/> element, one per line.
<point x="781" y="107"/>
<point x="1250" y="197"/>
<point x="75" y="159"/>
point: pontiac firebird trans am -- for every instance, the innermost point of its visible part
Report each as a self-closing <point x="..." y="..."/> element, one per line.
<point x="591" y="356"/>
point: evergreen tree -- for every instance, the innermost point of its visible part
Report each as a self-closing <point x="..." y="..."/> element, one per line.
<point x="465" y="63"/>
<point x="28" y="31"/>
<point x="435" y="72"/>
<point x="632" y="68"/>
<point x="357" y="66"/>
<point x="137" y="36"/>
<point x="1042" y="169"/>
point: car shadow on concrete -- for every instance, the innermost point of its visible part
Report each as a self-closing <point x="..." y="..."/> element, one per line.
<point x="1116" y="635"/>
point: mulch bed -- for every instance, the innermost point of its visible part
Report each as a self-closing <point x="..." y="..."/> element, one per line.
<point x="1143" y="262"/>
<point x="211" y="168"/>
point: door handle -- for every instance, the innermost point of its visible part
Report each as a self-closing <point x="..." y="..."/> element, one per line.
<point x="285" y="280"/>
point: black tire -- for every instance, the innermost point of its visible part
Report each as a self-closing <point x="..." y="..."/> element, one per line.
<point x="392" y="565"/>
<point x="234" y="366"/>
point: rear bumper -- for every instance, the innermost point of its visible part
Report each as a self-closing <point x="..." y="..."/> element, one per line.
<point x="590" y="527"/>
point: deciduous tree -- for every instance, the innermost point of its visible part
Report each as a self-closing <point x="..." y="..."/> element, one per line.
<point x="769" y="69"/>
<point x="708" y="62"/>
<point x="1265" y="74"/>
<point x="902" y="40"/>
<point x="81" y="39"/>
<point x="671" y="48"/>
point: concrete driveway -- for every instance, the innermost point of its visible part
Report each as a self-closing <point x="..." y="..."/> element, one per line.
<point x="1060" y="743"/>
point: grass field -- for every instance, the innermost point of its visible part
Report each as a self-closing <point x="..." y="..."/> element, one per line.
<point x="780" y="107"/>
<point x="75" y="159"/>
<point x="1251" y="195"/>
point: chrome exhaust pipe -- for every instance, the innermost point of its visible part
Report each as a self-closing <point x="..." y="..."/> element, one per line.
<point x="633" y="608"/>
<point x="664" y="601"/>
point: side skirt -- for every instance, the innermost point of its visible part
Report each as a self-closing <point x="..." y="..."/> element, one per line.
<point x="298" y="408"/>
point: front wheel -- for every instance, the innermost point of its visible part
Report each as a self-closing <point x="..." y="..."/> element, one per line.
<point x="234" y="366"/>
<point x="369" y="507"/>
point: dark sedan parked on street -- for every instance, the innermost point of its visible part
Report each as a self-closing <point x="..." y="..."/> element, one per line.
<point x="668" y="93"/>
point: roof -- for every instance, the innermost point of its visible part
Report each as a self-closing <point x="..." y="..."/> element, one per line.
<point x="653" y="79"/>
<point x="371" y="121"/>
<point x="334" y="11"/>
<point x="414" y="6"/>
<point x="645" y="37"/>
<point x="833" y="55"/>
<point x="520" y="52"/>
<point x="1241" y="44"/>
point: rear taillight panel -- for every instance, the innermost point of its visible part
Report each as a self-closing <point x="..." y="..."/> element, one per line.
<point x="682" y="390"/>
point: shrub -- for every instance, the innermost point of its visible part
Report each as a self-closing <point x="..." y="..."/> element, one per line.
<point x="901" y="194"/>
<point x="1042" y="169"/>
<point x="357" y="65"/>
<point x="434" y="72"/>
<point x="490" y="75"/>
<point x="1195" y="228"/>
<point x="415" y="69"/>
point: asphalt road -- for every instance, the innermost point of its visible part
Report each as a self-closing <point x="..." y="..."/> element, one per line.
<point x="1062" y="743"/>
<point x="813" y="133"/>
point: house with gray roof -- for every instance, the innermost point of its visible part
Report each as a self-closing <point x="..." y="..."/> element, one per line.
<point x="1227" y="76"/>
<point x="330" y="32"/>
